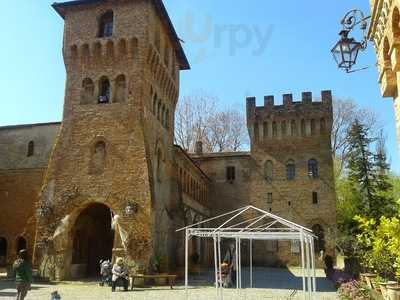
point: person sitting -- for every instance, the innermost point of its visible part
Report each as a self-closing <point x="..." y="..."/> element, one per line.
<point x="120" y="275"/>
<point x="105" y="272"/>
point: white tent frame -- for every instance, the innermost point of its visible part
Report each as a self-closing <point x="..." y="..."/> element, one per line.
<point x="264" y="226"/>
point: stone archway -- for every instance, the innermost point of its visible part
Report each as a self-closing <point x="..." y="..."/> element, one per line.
<point x="92" y="240"/>
<point x="21" y="244"/>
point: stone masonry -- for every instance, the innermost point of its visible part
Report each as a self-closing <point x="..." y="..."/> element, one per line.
<point x="384" y="32"/>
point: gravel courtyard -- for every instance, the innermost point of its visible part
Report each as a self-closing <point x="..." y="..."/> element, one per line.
<point x="269" y="284"/>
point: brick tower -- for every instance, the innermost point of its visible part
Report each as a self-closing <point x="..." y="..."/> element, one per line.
<point x="292" y="175"/>
<point x="112" y="161"/>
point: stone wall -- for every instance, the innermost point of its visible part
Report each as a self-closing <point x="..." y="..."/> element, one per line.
<point x="21" y="177"/>
<point x="14" y="144"/>
<point x="384" y="31"/>
<point x="290" y="137"/>
<point x="18" y="197"/>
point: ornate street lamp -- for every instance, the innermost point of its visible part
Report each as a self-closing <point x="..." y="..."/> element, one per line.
<point x="131" y="208"/>
<point x="346" y="50"/>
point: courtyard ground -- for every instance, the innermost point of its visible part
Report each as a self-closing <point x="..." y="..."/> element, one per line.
<point x="269" y="284"/>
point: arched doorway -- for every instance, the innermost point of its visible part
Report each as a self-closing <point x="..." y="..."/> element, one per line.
<point x="93" y="238"/>
<point x="21" y="244"/>
<point x="3" y="251"/>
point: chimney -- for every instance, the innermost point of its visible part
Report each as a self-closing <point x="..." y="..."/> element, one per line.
<point x="199" y="147"/>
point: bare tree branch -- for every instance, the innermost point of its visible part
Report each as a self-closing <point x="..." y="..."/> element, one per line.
<point x="198" y="119"/>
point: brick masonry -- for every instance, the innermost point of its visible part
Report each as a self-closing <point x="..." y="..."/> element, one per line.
<point x="122" y="151"/>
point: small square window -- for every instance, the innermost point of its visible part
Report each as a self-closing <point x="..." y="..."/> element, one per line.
<point x="295" y="247"/>
<point x="315" y="198"/>
<point x="269" y="198"/>
<point x="230" y="173"/>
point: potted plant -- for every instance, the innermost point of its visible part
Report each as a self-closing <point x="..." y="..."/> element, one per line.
<point x="159" y="267"/>
<point x="384" y="285"/>
<point x="393" y="292"/>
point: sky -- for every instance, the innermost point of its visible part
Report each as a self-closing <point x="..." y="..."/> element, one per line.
<point x="236" y="49"/>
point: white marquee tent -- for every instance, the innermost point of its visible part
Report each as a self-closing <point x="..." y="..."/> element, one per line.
<point x="252" y="224"/>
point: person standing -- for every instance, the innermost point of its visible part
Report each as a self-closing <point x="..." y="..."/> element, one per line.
<point x="230" y="259"/>
<point x="23" y="274"/>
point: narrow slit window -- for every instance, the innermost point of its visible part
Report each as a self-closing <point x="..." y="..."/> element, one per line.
<point x="230" y="173"/>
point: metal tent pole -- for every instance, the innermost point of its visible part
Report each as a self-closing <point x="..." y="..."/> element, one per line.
<point x="186" y="262"/>
<point x="251" y="263"/>
<point x="309" y="287"/>
<point x="303" y="265"/>
<point x="313" y="265"/>
<point x="215" y="263"/>
<point x="219" y="264"/>
<point x="240" y="264"/>
<point x="237" y="264"/>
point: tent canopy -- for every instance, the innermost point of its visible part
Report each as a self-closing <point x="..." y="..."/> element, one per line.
<point x="249" y="223"/>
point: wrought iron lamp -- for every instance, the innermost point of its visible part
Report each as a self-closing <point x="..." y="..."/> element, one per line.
<point x="131" y="208"/>
<point x="346" y="50"/>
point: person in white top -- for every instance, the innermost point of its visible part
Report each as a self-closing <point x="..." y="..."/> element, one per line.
<point x="120" y="274"/>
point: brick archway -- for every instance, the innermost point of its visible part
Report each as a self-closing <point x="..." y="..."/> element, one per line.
<point x="92" y="239"/>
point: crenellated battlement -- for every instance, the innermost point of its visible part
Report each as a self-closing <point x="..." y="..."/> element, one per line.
<point x="303" y="118"/>
<point x="288" y="104"/>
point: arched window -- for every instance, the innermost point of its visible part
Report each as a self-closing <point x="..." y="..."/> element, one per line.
<point x="274" y="129"/>
<point x="312" y="125"/>
<point x="313" y="168"/>
<point x="120" y="88"/>
<point x="319" y="243"/>
<point x="106" y="25"/>
<point x="97" y="51"/>
<point x="122" y="48"/>
<point x="303" y="127"/>
<point x="283" y="128"/>
<point x="87" y="91"/>
<point x="322" y="125"/>
<point x="99" y="157"/>
<point x="269" y="170"/>
<point x="105" y="90"/>
<point x="21" y="244"/>
<point x="290" y="170"/>
<point x="3" y="251"/>
<point x="31" y="149"/>
<point x="74" y="51"/>
<point x="293" y="128"/>
<point x="134" y="48"/>
<point x="256" y="132"/>
<point x="265" y="130"/>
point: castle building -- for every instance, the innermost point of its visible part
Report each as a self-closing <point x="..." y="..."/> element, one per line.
<point x="385" y="34"/>
<point x="108" y="180"/>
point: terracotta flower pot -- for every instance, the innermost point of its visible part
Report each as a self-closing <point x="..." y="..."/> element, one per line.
<point x="369" y="278"/>
<point x="383" y="286"/>
<point x="393" y="292"/>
